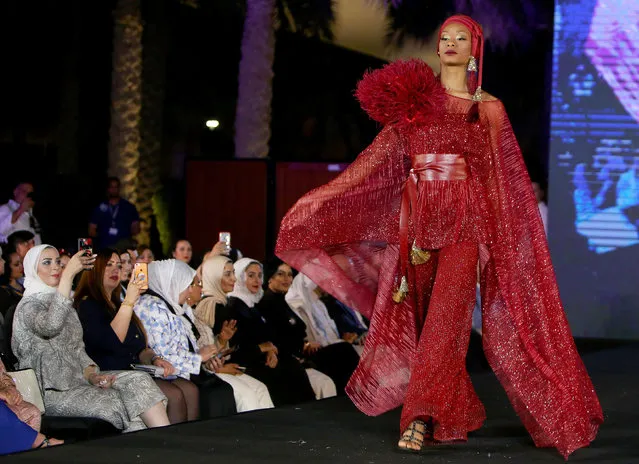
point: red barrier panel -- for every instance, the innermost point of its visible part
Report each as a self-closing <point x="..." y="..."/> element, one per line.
<point x="233" y="196"/>
<point x="295" y="179"/>
<point x="227" y="196"/>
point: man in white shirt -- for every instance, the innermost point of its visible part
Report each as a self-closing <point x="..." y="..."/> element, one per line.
<point x="543" y="208"/>
<point x="17" y="214"/>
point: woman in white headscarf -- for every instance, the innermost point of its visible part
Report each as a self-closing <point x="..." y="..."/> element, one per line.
<point x="171" y="333"/>
<point x="218" y="275"/>
<point x="332" y="355"/>
<point x="47" y="337"/>
<point x="284" y="376"/>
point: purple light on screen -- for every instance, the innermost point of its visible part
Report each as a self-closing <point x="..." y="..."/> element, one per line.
<point x="613" y="49"/>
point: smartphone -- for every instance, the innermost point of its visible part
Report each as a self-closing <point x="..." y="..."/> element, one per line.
<point x="87" y="245"/>
<point x="141" y="275"/>
<point x="226" y="238"/>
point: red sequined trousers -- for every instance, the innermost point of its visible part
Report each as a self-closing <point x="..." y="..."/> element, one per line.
<point x="443" y="292"/>
<point x="439" y="385"/>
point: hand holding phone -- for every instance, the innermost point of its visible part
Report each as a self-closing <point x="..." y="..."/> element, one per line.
<point x="141" y="275"/>
<point x="225" y="237"/>
<point x="85" y="244"/>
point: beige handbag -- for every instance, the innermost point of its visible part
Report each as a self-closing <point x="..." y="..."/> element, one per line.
<point x="27" y="384"/>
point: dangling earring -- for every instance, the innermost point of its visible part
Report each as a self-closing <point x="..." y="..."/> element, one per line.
<point x="472" y="64"/>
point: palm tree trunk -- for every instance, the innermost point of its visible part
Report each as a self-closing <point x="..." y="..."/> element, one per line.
<point x="152" y="118"/>
<point x="126" y="96"/>
<point x="253" y="116"/>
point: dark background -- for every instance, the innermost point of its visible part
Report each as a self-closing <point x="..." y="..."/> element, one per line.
<point x="56" y="82"/>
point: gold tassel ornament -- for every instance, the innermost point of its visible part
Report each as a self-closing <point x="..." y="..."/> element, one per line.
<point x="418" y="256"/>
<point x="400" y="295"/>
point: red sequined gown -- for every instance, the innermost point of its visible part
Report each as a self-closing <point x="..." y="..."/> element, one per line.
<point x="460" y="190"/>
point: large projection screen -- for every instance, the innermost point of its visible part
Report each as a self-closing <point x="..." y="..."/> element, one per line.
<point x="594" y="165"/>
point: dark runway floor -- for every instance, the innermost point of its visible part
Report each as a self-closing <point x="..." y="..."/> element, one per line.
<point x="333" y="431"/>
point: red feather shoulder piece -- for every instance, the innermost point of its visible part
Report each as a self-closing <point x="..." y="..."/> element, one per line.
<point x="403" y="92"/>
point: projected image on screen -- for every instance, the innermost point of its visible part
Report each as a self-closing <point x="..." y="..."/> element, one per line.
<point x="594" y="162"/>
<point x="595" y="134"/>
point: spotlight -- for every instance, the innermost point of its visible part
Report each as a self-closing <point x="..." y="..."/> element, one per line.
<point x="212" y="124"/>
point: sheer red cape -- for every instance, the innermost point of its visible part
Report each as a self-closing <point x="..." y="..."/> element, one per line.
<point x="344" y="236"/>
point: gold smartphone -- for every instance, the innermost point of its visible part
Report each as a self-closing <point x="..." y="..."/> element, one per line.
<point x="141" y="275"/>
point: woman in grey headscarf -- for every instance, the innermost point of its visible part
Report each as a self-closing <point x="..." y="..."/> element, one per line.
<point x="47" y="337"/>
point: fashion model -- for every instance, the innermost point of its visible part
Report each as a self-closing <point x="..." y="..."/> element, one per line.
<point x="438" y="200"/>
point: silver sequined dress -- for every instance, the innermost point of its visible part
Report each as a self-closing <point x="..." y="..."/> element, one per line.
<point x="47" y="337"/>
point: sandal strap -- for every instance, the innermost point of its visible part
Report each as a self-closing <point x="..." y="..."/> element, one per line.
<point x="44" y="443"/>
<point x="411" y="431"/>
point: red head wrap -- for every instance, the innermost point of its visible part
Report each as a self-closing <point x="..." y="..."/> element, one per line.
<point x="476" y="47"/>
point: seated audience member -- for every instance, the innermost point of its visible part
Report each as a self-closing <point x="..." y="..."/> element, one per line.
<point x="11" y="276"/>
<point x="17" y="214"/>
<point x="171" y="333"/>
<point x="350" y="323"/>
<point x="26" y="412"/>
<point x="20" y="241"/>
<point x="16" y="436"/>
<point x="115" y="339"/>
<point x="182" y="250"/>
<point x="65" y="257"/>
<point x="128" y="245"/>
<point x="125" y="273"/>
<point x="284" y="376"/>
<point x="217" y="280"/>
<point x="337" y="360"/>
<point x="144" y="255"/>
<point x="47" y="337"/>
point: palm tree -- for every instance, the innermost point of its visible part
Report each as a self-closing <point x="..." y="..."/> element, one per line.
<point x="152" y="116"/>
<point x="137" y="106"/>
<point x="253" y="115"/>
<point x="126" y="97"/>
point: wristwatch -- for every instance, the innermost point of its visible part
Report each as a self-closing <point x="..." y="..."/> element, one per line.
<point x="156" y="356"/>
